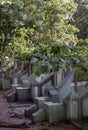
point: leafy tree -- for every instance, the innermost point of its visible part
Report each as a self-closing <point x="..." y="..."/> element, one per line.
<point x="81" y="18"/>
<point x="38" y="28"/>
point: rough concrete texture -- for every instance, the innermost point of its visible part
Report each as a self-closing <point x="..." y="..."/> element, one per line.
<point x="39" y="116"/>
<point x="84" y="106"/>
<point x="5" y="84"/>
<point x="54" y="111"/>
<point x="40" y="101"/>
<point x="72" y="105"/>
<point x="23" y="94"/>
<point x="82" y="90"/>
<point x="52" y="93"/>
<point x="64" y="87"/>
<point x="31" y="110"/>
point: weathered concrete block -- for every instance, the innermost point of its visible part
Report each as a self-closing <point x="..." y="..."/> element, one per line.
<point x="12" y="97"/>
<point x="84" y="106"/>
<point x="31" y="110"/>
<point x="6" y="84"/>
<point x="40" y="101"/>
<point x="72" y="105"/>
<point x="54" y="95"/>
<point x="54" y="111"/>
<point x="23" y="94"/>
<point x="39" y="116"/>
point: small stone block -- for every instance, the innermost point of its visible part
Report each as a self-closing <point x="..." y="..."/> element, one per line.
<point x="40" y="101"/>
<point x="31" y="110"/>
<point x="55" y="111"/>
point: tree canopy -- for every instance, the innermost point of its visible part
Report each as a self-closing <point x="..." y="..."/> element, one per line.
<point x="81" y="18"/>
<point x="41" y="29"/>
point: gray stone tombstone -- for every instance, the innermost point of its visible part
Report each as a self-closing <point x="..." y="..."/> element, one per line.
<point x="59" y="77"/>
<point x="84" y="106"/>
<point x="15" y="84"/>
<point x="23" y="94"/>
<point x="65" y="86"/>
<point x="72" y="106"/>
<point x="35" y="89"/>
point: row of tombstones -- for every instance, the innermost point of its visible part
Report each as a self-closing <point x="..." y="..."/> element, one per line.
<point x="69" y="106"/>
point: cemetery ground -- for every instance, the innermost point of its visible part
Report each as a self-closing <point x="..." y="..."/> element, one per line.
<point x="12" y="118"/>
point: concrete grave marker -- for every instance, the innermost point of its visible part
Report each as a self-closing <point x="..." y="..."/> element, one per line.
<point x="65" y="87"/>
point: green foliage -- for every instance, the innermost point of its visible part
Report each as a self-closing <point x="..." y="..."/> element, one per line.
<point x="81" y="18"/>
<point x="38" y="28"/>
<point x="80" y="60"/>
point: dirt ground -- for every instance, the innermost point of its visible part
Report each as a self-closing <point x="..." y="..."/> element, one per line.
<point x="12" y="118"/>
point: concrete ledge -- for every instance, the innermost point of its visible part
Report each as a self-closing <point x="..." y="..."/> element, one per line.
<point x="31" y="110"/>
<point x="39" y="116"/>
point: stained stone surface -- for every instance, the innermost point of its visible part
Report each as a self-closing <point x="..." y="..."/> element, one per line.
<point x="39" y="115"/>
<point x="54" y="111"/>
<point x="85" y="107"/>
<point x="75" y="109"/>
<point x="23" y="94"/>
<point x="40" y="101"/>
<point x="65" y="86"/>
